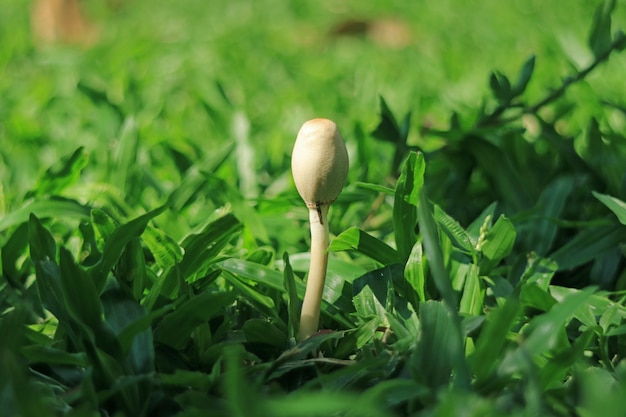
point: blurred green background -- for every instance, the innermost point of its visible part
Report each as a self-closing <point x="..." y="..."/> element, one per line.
<point x="191" y="75"/>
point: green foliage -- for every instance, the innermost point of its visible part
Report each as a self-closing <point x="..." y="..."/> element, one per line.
<point x="153" y="256"/>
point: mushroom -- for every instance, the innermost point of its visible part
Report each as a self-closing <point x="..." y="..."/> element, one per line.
<point x="319" y="164"/>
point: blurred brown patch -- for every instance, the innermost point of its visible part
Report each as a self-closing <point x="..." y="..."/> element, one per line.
<point x="61" y="21"/>
<point x="388" y="32"/>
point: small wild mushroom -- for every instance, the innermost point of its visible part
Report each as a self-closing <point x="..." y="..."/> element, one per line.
<point x="319" y="164"/>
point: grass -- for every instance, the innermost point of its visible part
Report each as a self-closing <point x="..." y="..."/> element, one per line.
<point x="154" y="249"/>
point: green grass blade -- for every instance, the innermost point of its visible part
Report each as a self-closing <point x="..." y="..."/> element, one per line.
<point x="587" y="245"/>
<point x="472" y="300"/>
<point x="459" y="237"/>
<point x="414" y="271"/>
<point x="368" y="245"/>
<point x="61" y="175"/>
<point x="293" y="302"/>
<point x="115" y="244"/>
<point x="497" y="244"/>
<point x="175" y="328"/>
<point x="432" y="248"/>
<point x="81" y="295"/>
<point x="440" y="350"/>
<point x="617" y="206"/>
<point x="55" y="207"/>
<point x="406" y="201"/>
<point x="493" y="338"/>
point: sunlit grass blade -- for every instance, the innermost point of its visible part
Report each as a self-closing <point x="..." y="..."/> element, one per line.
<point x="61" y="175"/>
<point x="414" y="271"/>
<point x="360" y="241"/>
<point x="55" y="207"/>
<point x="406" y="201"/>
<point x="472" y="300"/>
<point x="497" y="244"/>
<point x="617" y="206"/>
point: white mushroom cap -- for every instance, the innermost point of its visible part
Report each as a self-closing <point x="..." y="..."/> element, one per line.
<point x="319" y="162"/>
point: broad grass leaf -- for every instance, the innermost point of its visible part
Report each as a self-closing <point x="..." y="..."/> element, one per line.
<point x="493" y="338"/>
<point x="472" y="300"/>
<point x="598" y="309"/>
<point x="164" y="248"/>
<point x="124" y="172"/>
<point x="372" y="293"/>
<point x="617" y="206"/>
<point x="389" y="129"/>
<point x="80" y="293"/>
<point x="540" y="233"/>
<point x="588" y="245"/>
<point x="406" y="201"/>
<point x="368" y="245"/>
<point x="539" y="271"/>
<point x="104" y="225"/>
<point x="483" y="220"/>
<point x="194" y="181"/>
<point x="414" y="271"/>
<point x="535" y="297"/>
<point x="43" y="255"/>
<point x="293" y="302"/>
<point x="258" y="274"/>
<point x="440" y="348"/>
<point x="559" y="367"/>
<point x="201" y="252"/>
<point x="53" y="356"/>
<point x="459" y="237"/>
<point x="355" y="340"/>
<point x="496" y="164"/>
<point x="602" y="392"/>
<point x="264" y="332"/>
<point x="524" y="76"/>
<point x="224" y="194"/>
<point x="17" y="388"/>
<point x="498" y="243"/>
<point x="175" y="328"/>
<point x="115" y="244"/>
<point x="434" y="252"/>
<point x="336" y="302"/>
<point x="131" y="270"/>
<point x="54" y="207"/>
<point x="62" y="174"/>
<point x="252" y="294"/>
<point x="500" y="86"/>
<point x="374" y="187"/>
<point x="201" y="249"/>
<point x="126" y="336"/>
<point x="121" y="312"/>
<point x="10" y="252"/>
<point x="546" y="331"/>
<point x="600" y="33"/>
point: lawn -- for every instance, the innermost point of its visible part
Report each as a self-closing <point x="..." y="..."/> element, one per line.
<point x="154" y="249"/>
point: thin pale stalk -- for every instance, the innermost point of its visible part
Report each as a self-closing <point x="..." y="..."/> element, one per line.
<point x="310" y="316"/>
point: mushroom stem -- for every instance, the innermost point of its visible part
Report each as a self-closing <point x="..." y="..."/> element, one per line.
<point x="310" y="316"/>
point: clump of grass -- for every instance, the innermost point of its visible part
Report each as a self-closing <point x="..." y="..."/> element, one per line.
<point x="475" y="270"/>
